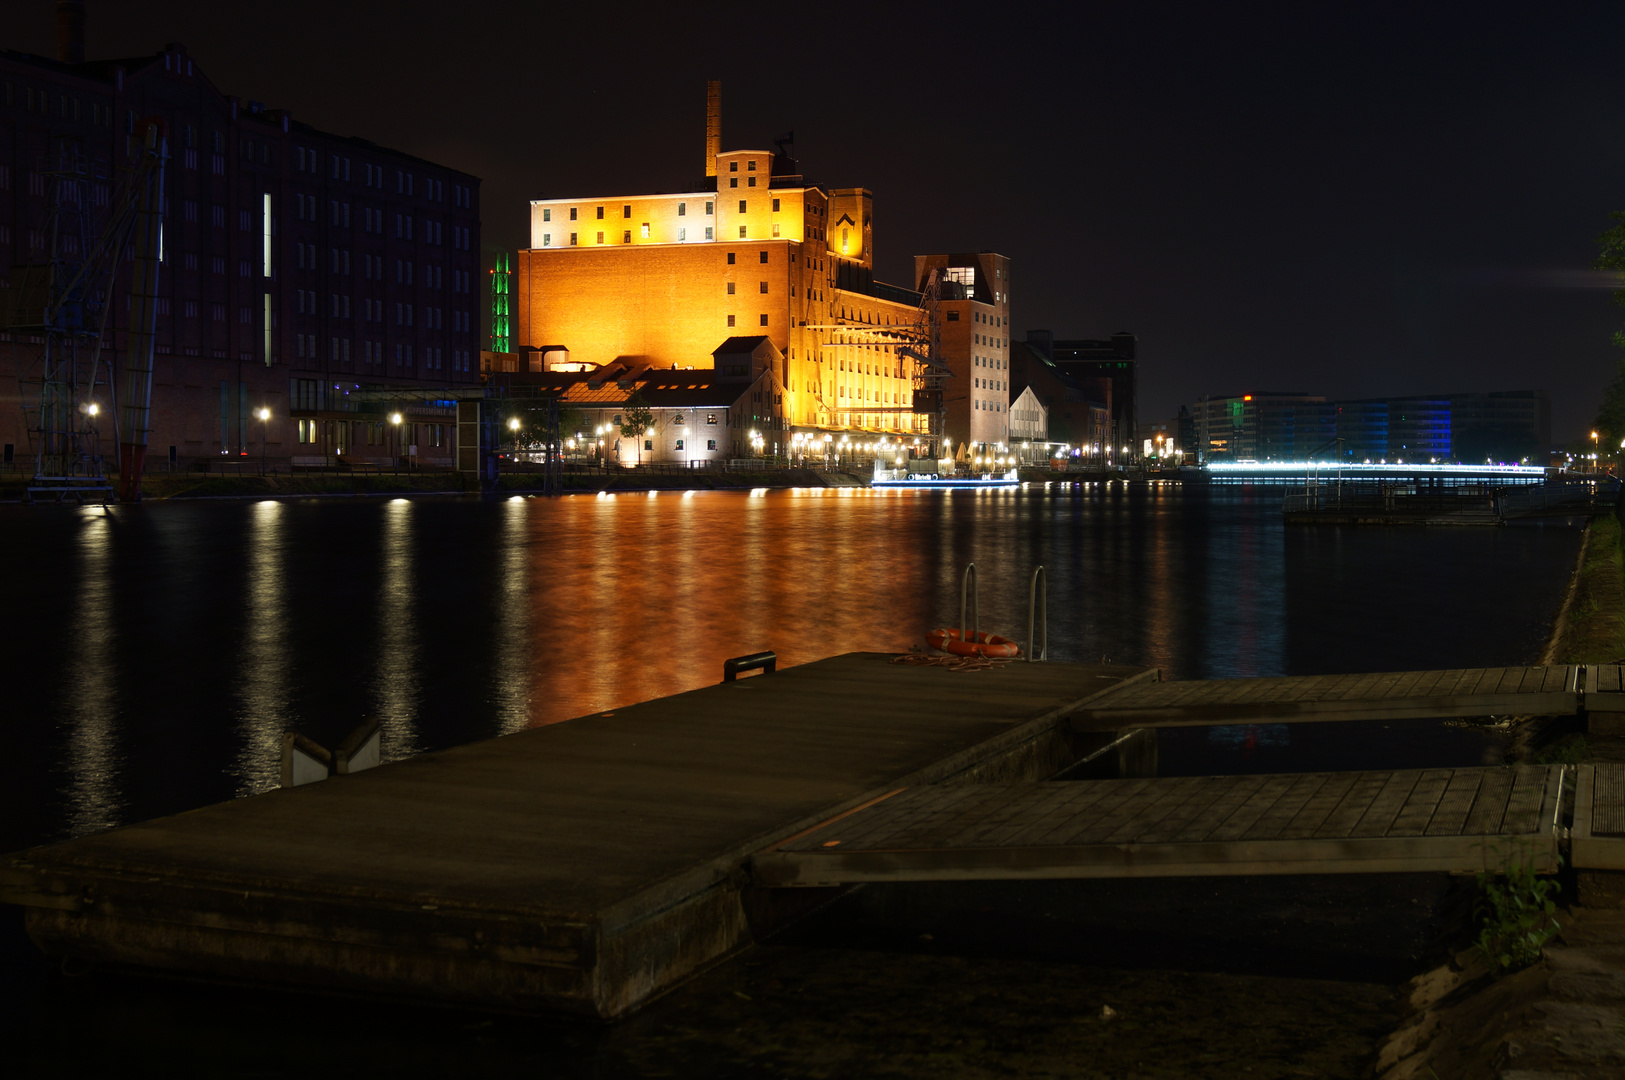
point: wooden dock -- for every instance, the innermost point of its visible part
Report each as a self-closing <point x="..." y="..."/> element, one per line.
<point x="1599" y="817"/>
<point x="589" y="865"/>
<point x="583" y="866"/>
<point x="1399" y="695"/>
<point x="1313" y="823"/>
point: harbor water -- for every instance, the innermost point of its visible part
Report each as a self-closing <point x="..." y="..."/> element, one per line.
<point x="160" y="651"/>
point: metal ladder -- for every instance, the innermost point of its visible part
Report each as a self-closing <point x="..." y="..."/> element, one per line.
<point x="1037" y="611"/>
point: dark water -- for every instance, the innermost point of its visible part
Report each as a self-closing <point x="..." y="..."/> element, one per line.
<point x="159" y="651"/>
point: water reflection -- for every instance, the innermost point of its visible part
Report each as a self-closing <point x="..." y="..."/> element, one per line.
<point x="95" y="799"/>
<point x="395" y="685"/>
<point x="469" y="618"/>
<point x="267" y="660"/>
<point x="512" y="676"/>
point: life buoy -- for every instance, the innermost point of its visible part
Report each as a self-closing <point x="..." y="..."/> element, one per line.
<point x="961" y="644"/>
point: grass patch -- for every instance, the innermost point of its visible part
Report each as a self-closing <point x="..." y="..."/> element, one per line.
<point x="1571" y="750"/>
<point x="1594" y="626"/>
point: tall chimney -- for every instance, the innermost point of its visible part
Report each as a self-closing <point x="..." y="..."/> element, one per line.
<point x="70" y="31"/>
<point x="713" y="125"/>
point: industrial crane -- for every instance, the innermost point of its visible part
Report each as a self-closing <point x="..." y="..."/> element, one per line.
<point x="64" y="305"/>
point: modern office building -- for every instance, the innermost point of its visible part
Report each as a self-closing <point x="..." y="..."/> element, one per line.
<point x="1077" y="411"/>
<point x="1114" y="360"/>
<point x="304" y="272"/>
<point x="755" y="248"/>
<point x="1502" y="426"/>
<point x="1263" y="426"/>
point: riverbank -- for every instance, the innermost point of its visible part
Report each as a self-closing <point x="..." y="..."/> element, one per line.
<point x="1564" y="1016"/>
<point x="158" y="487"/>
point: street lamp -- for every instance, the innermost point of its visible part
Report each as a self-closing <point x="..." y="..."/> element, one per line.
<point x="395" y="418"/>
<point x="265" y="415"/>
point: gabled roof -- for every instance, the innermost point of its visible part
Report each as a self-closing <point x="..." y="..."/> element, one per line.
<point x="735" y="345"/>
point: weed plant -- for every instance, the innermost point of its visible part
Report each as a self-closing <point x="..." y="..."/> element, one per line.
<point x="1518" y="913"/>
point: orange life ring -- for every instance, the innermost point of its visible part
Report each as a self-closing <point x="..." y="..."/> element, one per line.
<point x="961" y="644"/>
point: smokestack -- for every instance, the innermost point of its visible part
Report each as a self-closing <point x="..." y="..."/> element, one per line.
<point x="713" y="125"/>
<point x="70" y="31"/>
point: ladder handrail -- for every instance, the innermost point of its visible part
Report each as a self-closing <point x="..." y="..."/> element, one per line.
<point x="968" y="582"/>
<point x="1038" y="602"/>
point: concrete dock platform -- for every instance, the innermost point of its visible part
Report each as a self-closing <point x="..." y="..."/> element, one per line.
<point x="585" y="866"/>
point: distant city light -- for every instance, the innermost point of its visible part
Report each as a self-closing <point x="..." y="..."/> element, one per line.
<point x="1369" y="468"/>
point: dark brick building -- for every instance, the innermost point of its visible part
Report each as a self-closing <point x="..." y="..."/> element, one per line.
<point x="320" y="276"/>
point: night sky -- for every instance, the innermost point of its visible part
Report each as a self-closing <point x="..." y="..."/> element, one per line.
<point x="1348" y="199"/>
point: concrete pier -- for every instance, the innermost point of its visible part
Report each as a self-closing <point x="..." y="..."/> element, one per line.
<point x="584" y="867"/>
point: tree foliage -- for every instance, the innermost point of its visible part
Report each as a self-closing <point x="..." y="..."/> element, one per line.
<point x="636" y="418"/>
<point x="1610" y="422"/>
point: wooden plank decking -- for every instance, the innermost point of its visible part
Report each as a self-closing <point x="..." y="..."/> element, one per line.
<point x="1398" y="695"/>
<point x="582" y="866"/>
<point x="1599" y="818"/>
<point x="1313" y="823"/>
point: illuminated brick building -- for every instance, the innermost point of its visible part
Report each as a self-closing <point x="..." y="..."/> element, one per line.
<point x="662" y="280"/>
<point x="304" y="272"/>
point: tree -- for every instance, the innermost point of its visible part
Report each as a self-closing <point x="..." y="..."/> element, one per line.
<point x="1610" y="422"/>
<point x="635" y="420"/>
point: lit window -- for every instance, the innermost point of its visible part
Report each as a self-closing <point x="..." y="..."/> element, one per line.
<point x="682" y="234"/>
<point x="775" y="229"/>
<point x="646" y="230"/>
<point x="547" y="239"/>
<point x="679" y="444"/>
<point x="708" y="208"/>
<point x="711" y="418"/>
<point x="710" y="444"/>
<point x="708" y="231"/>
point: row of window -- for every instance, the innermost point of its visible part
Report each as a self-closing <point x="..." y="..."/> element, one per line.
<point x="67" y="108"/>
<point x="339" y="434"/>
<point x="432" y="358"/>
<point x="763" y="319"/>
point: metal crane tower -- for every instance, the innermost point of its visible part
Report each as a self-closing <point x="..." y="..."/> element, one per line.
<point x="64" y="304"/>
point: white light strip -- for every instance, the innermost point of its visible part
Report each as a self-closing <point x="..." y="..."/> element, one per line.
<point x="1407" y="470"/>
